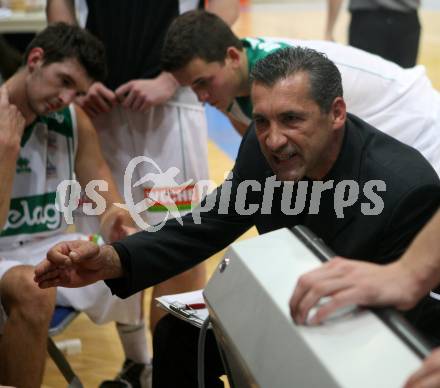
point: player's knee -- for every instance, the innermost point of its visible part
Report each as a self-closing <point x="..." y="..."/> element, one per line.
<point x="22" y="296"/>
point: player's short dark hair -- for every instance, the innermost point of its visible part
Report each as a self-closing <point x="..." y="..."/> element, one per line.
<point x="61" y="41"/>
<point x="197" y="34"/>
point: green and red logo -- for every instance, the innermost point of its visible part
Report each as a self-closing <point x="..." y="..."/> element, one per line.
<point x="165" y="197"/>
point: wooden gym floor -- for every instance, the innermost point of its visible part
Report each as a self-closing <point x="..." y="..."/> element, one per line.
<point x="101" y="355"/>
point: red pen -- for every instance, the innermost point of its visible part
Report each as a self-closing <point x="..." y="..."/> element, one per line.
<point x="196" y="306"/>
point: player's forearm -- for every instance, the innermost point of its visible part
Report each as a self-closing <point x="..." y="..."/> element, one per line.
<point x="422" y="259"/>
<point x="109" y="196"/>
<point x="334" y="7"/>
<point x="8" y="157"/>
<point x="228" y="10"/>
<point x="61" y="11"/>
<point x="110" y="216"/>
<point x="168" y="81"/>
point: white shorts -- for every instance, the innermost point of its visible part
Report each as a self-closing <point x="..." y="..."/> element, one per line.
<point x="95" y="300"/>
<point x="171" y="135"/>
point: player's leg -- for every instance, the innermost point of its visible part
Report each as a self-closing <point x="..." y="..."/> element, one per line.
<point x="23" y="343"/>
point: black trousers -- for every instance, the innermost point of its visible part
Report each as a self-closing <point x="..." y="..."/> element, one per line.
<point x="175" y="356"/>
<point x="391" y="34"/>
<point x="175" y="348"/>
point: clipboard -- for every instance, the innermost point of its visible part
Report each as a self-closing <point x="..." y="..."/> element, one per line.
<point x="188" y="306"/>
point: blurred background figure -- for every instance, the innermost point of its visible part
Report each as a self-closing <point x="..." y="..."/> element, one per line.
<point x="389" y="28"/>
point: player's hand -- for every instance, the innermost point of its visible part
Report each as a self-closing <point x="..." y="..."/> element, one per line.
<point x="351" y="282"/>
<point x="99" y="99"/>
<point x="12" y="122"/>
<point x="121" y="230"/>
<point x="117" y="223"/>
<point x="428" y="376"/>
<point x="77" y="264"/>
<point x="140" y="95"/>
<point x="121" y="225"/>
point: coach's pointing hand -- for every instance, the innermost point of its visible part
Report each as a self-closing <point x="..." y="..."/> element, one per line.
<point x="77" y="264"/>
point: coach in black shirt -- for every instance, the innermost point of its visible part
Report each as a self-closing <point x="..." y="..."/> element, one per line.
<point x="364" y="193"/>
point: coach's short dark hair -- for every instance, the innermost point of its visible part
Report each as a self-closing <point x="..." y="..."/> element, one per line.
<point x="325" y="79"/>
<point x="197" y="34"/>
<point x="61" y="41"/>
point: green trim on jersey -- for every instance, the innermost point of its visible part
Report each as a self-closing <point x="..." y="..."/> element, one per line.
<point x="256" y="49"/>
<point x="60" y="122"/>
<point x="27" y="133"/>
<point x="246" y="106"/>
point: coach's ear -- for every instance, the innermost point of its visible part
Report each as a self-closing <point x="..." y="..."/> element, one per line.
<point x="338" y="112"/>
